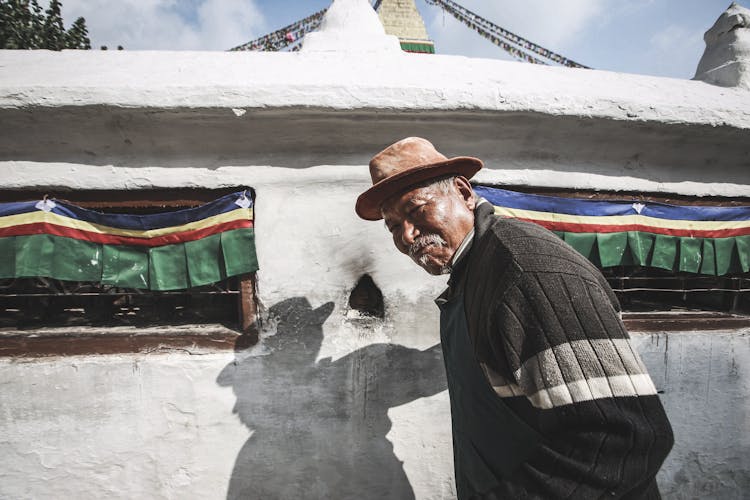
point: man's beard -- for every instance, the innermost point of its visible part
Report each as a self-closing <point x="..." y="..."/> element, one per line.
<point x="423" y="241"/>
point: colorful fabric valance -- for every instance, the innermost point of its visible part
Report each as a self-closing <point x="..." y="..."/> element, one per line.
<point x="163" y="251"/>
<point x="694" y="239"/>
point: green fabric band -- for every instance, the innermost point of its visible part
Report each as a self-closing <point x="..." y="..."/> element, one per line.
<point x="169" y="267"/>
<point x="425" y="48"/>
<point x="711" y="256"/>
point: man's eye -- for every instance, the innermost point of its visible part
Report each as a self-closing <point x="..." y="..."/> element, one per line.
<point x="416" y="210"/>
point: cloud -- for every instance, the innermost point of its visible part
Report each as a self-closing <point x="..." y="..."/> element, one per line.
<point x="168" y="24"/>
<point x="550" y="23"/>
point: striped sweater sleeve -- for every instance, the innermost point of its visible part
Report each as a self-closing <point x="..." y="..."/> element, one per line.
<point x="573" y="373"/>
<point x="547" y="333"/>
<point x="566" y="344"/>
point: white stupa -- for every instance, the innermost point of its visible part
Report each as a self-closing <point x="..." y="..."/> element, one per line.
<point x="350" y="26"/>
<point x="726" y="60"/>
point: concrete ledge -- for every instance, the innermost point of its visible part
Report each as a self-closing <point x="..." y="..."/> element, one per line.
<point x="256" y="80"/>
<point x="588" y="152"/>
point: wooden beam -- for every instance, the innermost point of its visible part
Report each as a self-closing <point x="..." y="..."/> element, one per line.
<point x="93" y="341"/>
<point x="683" y="322"/>
<point x="247" y="307"/>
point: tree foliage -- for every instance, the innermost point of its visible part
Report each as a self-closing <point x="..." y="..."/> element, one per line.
<point x="24" y="25"/>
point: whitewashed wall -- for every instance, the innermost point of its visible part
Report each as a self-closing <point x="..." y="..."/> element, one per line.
<point x="329" y="405"/>
<point x="705" y="379"/>
<point x="283" y="425"/>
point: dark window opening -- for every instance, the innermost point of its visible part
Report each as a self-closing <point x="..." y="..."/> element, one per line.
<point x="367" y="298"/>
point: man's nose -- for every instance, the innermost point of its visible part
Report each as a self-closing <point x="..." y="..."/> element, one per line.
<point x="409" y="233"/>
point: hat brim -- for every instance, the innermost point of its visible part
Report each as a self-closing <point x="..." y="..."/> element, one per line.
<point x="369" y="202"/>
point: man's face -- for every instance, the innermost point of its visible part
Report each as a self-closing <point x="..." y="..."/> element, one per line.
<point x="428" y="224"/>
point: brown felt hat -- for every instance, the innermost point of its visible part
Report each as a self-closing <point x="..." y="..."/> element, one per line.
<point x="405" y="163"/>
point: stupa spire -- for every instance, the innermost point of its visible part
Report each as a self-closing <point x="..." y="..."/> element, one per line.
<point x="402" y="19"/>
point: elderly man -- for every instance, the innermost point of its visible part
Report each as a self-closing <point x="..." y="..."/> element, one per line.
<point x="548" y="397"/>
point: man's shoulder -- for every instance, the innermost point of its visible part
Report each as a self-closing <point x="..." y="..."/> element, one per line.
<point x="519" y="239"/>
<point x="532" y="248"/>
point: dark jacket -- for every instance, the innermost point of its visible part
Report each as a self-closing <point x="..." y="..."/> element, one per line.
<point x="545" y="329"/>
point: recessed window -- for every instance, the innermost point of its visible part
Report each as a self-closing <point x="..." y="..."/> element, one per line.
<point x="679" y="255"/>
<point x="167" y="258"/>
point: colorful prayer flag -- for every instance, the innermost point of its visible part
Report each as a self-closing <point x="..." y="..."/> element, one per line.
<point x="696" y="239"/>
<point x="162" y="251"/>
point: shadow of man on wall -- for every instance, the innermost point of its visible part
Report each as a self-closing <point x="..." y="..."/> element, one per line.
<point x="319" y="428"/>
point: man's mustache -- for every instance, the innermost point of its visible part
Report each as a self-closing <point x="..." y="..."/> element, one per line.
<point x="423" y="241"/>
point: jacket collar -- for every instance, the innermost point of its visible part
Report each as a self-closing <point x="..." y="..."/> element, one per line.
<point x="483" y="216"/>
<point x="482" y="219"/>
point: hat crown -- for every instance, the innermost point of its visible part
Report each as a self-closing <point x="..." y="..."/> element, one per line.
<point x="407" y="163"/>
<point x="404" y="155"/>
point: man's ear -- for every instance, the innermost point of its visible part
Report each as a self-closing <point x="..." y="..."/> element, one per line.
<point x="467" y="193"/>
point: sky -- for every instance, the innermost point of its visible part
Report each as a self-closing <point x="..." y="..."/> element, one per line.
<point x="652" y="37"/>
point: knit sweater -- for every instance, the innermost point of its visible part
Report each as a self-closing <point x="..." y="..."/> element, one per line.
<point x="547" y="334"/>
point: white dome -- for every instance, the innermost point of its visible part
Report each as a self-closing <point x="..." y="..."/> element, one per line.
<point x="351" y="25"/>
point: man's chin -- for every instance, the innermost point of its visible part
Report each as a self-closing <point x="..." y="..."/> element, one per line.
<point x="434" y="268"/>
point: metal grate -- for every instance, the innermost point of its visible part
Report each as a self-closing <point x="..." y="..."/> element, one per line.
<point x="44" y="302"/>
<point x="649" y="289"/>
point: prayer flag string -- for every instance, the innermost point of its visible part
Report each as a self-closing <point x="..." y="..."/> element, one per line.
<point x="284" y="37"/>
<point x="514" y="44"/>
<point x="290" y="37"/>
